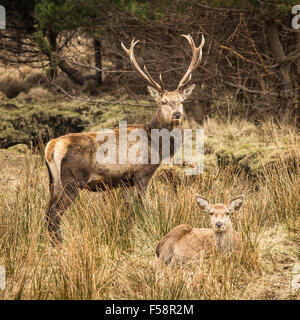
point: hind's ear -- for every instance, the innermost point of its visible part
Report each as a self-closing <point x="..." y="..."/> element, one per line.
<point x="202" y="203"/>
<point x="236" y="203"/>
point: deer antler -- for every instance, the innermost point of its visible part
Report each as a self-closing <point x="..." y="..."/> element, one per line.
<point x="196" y="59"/>
<point x="145" y="74"/>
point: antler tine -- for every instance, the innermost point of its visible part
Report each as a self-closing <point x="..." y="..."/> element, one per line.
<point x="132" y="44"/>
<point x="196" y="59"/>
<point x="202" y="42"/>
<point x="190" y="40"/>
<point x="200" y="54"/>
<point x="134" y="63"/>
<point x="152" y="81"/>
<point x="161" y="81"/>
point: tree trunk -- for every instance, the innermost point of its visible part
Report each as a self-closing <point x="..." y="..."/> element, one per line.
<point x="287" y="91"/>
<point x="73" y="74"/>
<point x="52" y="36"/>
<point x="98" y="59"/>
<point x="119" y="64"/>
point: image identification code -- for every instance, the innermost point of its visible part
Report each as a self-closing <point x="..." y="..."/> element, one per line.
<point x="171" y="309"/>
<point x="152" y="309"/>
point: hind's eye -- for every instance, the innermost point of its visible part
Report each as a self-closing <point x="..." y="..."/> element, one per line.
<point x="211" y="213"/>
<point x="163" y="102"/>
<point x="227" y="212"/>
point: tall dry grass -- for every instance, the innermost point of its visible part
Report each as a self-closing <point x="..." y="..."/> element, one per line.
<point x="109" y="238"/>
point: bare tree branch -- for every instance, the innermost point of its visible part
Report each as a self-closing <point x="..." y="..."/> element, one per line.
<point x="103" y="102"/>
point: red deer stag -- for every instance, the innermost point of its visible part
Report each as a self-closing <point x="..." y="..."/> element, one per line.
<point x="71" y="159"/>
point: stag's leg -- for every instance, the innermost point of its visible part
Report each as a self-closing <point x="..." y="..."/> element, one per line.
<point x="52" y="213"/>
<point x="142" y="178"/>
<point x="58" y="203"/>
<point x="141" y="187"/>
<point x="63" y="191"/>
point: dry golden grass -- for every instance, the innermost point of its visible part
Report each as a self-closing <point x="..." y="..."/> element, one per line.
<point x="28" y="83"/>
<point x="109" y="239"/>
<point x="16" y="80"/>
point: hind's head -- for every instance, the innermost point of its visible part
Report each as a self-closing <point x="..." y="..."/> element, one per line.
<point x="220" y="213"/>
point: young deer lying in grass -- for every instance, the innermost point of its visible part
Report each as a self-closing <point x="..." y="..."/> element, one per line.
<point x="184" y="243"/>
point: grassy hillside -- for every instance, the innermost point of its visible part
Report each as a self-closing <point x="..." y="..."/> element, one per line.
<point x="109" y="240"/>
<point x="39" y="116"/>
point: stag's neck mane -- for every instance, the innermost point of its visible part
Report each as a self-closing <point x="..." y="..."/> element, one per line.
<point x="155" y="123"/>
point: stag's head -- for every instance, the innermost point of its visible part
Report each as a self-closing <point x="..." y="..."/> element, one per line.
<point x="170" y="111"/>
<point x="220" y="213"/>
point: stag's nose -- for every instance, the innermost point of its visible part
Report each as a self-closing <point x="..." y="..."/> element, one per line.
<point x="219" y="224"/>
<point x="176" y="115"/>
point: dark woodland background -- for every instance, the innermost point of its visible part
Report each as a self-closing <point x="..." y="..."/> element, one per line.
<point x="250" y="66"/>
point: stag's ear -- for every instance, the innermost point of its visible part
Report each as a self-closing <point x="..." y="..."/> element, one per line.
<point x="188" y="91"/>
<point x="236" y="203"/>
<point x="153" y="93"/>
<point x="202" y="203"/>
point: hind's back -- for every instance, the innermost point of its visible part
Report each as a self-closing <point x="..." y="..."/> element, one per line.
<point x="183" y="243"/>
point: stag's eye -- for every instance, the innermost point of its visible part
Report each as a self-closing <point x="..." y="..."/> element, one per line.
<point x="163" y="102"/>
<point x="227" y="212"/>
<point x="211" y="213"/>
